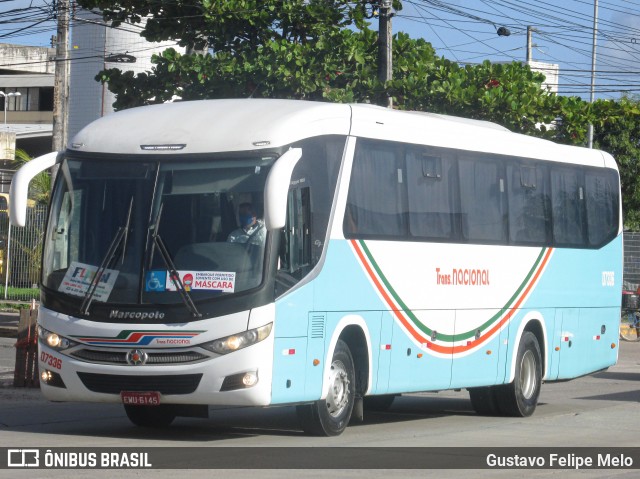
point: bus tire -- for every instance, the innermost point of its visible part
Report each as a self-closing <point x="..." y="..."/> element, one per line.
<point x="484" y="401"/>
<point x="330" y="416"/>
<point x="150" y="416"/>
<point x="381" y="402"/>
<point x="520" y="398"/>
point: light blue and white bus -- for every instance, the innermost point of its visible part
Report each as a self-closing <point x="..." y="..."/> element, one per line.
<point x="398" y="252"/>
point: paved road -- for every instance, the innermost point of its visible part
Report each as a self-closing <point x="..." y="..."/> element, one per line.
<point x="602" y="410"/>
<point x="9" y="324"/>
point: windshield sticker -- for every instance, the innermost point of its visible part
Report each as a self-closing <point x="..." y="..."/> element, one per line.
<point x="204" y="280"/>
<point x="79" y="276"/>
<point x="156" y="281"/>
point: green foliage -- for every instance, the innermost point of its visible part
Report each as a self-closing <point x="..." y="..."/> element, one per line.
<point x="15" y="306"/>
<point x="18" y="294"/>
<point x="325" y="50"/>
<point x="234" y="26"/>
<point x="618" y="132"/>
<point x="509" y="94"/>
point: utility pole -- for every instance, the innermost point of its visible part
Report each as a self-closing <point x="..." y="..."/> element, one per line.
<point x="593" y="65"/>
<point x="61" y="77"/>
<point x="530" y="45"/>
<point x="385" y="57"/>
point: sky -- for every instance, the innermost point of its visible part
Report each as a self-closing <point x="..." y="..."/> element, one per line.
<point x="465" y="31"/>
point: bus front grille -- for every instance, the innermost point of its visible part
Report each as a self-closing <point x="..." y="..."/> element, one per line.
<point x="166" y="384"/>
<point x="154" y="357"/>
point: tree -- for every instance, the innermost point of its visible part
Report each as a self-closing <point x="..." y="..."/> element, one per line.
<point x="510" y="94"/>
<point x="316" y="50"/>
<point x="619" y="134"/>
<point x="325" y="50"/>
<point x="312" y="49"/>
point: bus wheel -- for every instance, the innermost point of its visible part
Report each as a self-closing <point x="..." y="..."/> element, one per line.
<point x="330" y="416"/>
<point x="150" y="416"/>
<point x="484" y="400"/>
<point x="379" y="403"/>
<point x="521" y="396"/>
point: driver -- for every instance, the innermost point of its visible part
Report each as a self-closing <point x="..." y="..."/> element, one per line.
<point x="251" y="229"/>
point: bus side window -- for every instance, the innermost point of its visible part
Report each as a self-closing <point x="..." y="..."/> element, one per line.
<point x="602" y="206"/>
<point x="567" y="200"/>
<point x="482" y="200"/>
<point x="295" y="251"/>
<point x="432" y="194"/>
<point x="528" y="204"/>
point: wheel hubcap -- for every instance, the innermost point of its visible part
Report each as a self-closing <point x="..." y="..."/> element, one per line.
<point x="528" y="380"/>
<point x="338" y="396"/>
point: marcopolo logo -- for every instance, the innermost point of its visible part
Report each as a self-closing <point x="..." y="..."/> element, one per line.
<point x="141" y="315"/>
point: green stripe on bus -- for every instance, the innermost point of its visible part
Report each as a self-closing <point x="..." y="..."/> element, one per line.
<point x="451" y="337"/>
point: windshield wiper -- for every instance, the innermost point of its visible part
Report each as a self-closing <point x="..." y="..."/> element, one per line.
<point x="121" y="234"/>
<point x="171" y="267"/>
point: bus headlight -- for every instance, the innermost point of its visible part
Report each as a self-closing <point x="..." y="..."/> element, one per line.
<point x="238" y="341"/>
<point x="53" y="340"/>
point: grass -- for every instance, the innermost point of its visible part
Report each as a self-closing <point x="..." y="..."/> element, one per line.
<point x="18" y="298"/>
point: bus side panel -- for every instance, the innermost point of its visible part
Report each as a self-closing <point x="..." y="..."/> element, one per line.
<point x="415" y="367"/>
<point x="307" y="319"/>
<point x="399" y="362"/>
<point x="290" y="345"/>
<point x="481" y="366"/>
<point x="379" y="367"/>
<point x="292" y="311"/>
<point x="569" y="292"/>
<point x="547" y="318"/>
<point x="585" y="340"/>
<point x="315" y="354"/>
<point x="289" y="370"/>
<point x="343" y="289"/>
<point x="452" y="308"/>
<point x="383" y="372"/>
<point x="601" y="331"/>
<point x="502" y="372"/>
<point x="584" y="286"/>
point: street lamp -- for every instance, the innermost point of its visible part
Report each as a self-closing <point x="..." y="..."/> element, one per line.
<point x="6" y="100"/>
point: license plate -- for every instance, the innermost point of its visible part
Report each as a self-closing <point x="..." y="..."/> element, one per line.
<point x="140" y="398"/>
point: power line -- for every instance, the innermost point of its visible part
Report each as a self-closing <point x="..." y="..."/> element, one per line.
<point x="565" y="29"/>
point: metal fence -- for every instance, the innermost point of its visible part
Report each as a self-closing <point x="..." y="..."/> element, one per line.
<point x="20" y="256"/>
<point x="631" y="270"/>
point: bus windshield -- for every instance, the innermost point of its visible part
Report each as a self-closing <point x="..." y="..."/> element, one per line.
<point x="167" y="232"/>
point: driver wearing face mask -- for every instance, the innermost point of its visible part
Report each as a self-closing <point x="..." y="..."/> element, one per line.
<point x="251" y="229"/>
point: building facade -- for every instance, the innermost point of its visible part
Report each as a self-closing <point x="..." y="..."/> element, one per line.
<point x="96" y="47"/>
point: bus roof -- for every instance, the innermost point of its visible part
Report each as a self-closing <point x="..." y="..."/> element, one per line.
<point x="207" y="126"/>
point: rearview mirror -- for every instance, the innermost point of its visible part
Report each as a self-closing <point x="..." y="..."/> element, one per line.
<point x="20" y="186"/>
<point x="277" y="189"/>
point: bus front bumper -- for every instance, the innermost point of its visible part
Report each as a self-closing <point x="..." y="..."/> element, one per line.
<point x="240" y="378"/>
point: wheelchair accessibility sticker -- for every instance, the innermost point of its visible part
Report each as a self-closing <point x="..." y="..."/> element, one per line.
<point x="156" y="281"/>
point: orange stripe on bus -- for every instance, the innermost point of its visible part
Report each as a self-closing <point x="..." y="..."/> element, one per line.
<point x="418" y="336"/>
